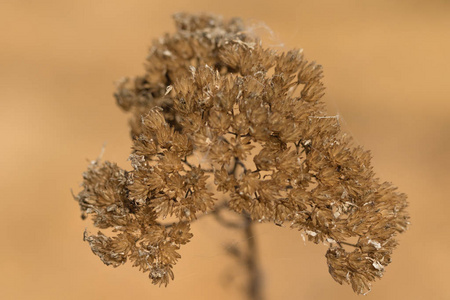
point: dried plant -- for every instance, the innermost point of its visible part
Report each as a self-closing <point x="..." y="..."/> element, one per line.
<point x="220" y="122"/>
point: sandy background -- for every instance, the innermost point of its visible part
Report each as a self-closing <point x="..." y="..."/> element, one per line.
<point x="387" y="75"/>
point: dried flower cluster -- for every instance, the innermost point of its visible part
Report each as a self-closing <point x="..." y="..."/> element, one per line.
<point x="214" y="104"/>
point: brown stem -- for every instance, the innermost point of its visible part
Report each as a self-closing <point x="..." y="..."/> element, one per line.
<point x="254" y="289"/>
<point x="254" y="286"/>
<point x="348" y="244"/>
<point x="226" y="223"/>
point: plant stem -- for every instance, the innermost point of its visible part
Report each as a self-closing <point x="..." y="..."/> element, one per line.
<point x="254" y="291"/>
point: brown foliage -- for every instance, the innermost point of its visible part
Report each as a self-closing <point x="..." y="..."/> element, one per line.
<point x="214" y="103"/>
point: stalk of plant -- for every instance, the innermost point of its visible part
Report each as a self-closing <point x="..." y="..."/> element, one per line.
<point x="219" y="122"/>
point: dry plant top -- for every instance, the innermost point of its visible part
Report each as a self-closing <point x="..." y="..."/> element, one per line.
<point x="220" y="121"/>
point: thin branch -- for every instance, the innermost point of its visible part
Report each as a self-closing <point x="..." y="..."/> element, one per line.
<point x="254" y="291"/>
<point x="348" y="244"/>
<point x="239" y="162"/>
<point x="187" y="163"/>
<point x="225" y="222"/>
<point x="213" y="212"/>
<point x="191" y="166"/>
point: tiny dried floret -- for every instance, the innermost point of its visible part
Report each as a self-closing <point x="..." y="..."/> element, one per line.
<point x="218" y="116"/>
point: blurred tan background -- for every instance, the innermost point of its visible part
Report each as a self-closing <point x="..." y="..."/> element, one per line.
<point x="387" y="72"/>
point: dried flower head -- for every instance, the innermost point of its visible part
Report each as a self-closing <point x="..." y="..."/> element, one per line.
<point x="215" y="104"/>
